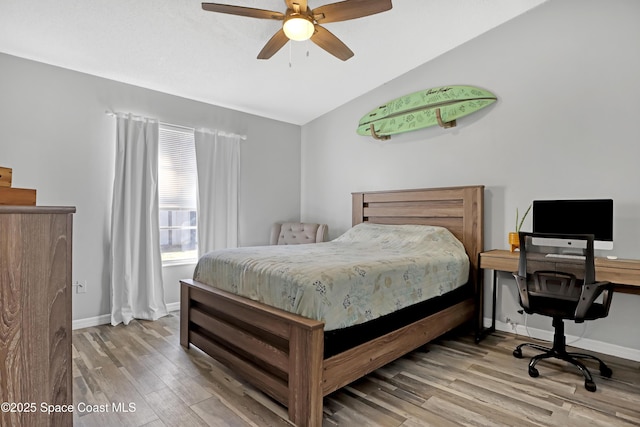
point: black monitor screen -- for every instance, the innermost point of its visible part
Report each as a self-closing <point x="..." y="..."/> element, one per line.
<point x="594" y="216"/>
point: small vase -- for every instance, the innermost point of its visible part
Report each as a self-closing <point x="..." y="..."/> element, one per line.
<point x="514" y="241"/>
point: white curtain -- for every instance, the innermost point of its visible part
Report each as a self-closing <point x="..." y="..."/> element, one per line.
<point x="136" y="268"/>
<point x="218" y="165"/>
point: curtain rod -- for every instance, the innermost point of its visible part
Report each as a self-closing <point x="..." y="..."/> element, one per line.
<point x="243" y="137"/>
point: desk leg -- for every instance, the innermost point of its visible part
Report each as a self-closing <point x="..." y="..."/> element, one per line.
<point x="481" y="331"/>
<point x="494" y="284"/>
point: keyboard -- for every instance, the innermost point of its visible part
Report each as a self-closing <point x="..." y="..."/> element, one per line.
<point x="565" y="256"/>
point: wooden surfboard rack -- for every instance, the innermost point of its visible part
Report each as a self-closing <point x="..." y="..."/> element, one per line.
<point x="378" y="137"/>
<point x="445" y="125"/>
<point x="442" y="124"/>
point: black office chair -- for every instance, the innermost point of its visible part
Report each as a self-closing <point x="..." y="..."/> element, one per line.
<point x="561" y="295"/>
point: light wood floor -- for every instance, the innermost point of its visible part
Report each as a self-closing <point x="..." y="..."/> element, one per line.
<point x="449" y="382"/>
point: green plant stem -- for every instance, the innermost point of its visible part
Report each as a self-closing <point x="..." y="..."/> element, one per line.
<point x="519" y="225"/>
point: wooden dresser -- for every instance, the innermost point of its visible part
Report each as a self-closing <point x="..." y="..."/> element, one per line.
<point x="35" y="315"/>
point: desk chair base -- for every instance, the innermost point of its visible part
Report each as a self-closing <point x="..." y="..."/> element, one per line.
<point x="559" y="351"/>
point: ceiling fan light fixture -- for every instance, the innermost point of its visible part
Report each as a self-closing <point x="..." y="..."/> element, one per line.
<point x="298" y="28"/>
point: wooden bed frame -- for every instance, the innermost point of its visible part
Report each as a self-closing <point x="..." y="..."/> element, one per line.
<point x="282" y="353"/>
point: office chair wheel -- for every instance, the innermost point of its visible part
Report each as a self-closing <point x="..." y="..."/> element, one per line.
<point x="517" y="353"/>
<point x="533" y="372"/>
<point x="605" y="371"/>
<point x="590" y="385"/>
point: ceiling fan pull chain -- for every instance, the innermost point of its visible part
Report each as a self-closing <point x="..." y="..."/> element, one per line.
<point x="290" y="53"/>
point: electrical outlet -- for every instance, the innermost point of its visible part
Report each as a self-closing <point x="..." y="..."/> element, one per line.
<point x="81" y="286"/>
<point x="511" y="322"/>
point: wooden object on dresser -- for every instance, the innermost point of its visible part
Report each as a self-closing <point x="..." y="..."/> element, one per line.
<point x="17" y="196"/>
<point x="281" y="353"/>
<point x="5" y="177"/>
<point x="35" y="298"/>
<point x="14" y="196"/>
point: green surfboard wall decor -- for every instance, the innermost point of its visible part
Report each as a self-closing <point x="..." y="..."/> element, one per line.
<point x="419" y="110"/>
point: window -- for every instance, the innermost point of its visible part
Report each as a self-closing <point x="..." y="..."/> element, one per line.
<point x="177" y="184"/>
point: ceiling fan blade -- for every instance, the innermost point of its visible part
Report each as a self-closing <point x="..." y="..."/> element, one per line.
<point x="326" y="40"/>
<point x="276" y="42"/>
<point x="242" y="11"/>
<point x="349" y="9"/>
<point x="301" y="3"/>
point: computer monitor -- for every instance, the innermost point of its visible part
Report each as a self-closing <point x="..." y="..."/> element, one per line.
<point x="590" y="216"/>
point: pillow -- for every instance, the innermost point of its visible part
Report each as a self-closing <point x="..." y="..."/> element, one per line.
<point x="389" y="234"/>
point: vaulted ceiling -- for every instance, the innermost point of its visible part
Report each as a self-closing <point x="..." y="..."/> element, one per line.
<point x="175" y="47"/>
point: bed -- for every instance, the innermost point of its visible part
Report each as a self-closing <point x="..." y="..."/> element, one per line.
<point x="284" y="354"/>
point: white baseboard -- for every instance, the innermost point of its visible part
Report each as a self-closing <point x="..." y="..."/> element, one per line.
<point x="574" y="341"/>
<point x="106" y="318"/>
<point x="91" y="321"/>
<point x="173" y="306"/>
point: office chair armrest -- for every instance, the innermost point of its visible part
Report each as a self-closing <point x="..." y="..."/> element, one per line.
<point x="607" y="294"/>
<point x="589" y="294"/>
<point x="521" y="282"/>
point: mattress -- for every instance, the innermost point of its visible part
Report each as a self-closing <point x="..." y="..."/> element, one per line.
<point x="368" y="272"/>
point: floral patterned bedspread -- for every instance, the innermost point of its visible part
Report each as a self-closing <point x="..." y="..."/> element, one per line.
<point x="369" y="271"/>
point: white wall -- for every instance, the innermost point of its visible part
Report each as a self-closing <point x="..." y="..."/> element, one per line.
<point x="567" y="75"/>
<point x="55" y="135"/>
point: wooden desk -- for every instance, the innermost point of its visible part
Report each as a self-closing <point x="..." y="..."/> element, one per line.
<point x="624" y="273"/>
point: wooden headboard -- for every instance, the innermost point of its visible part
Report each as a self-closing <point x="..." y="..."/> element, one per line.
<point x="459" y="209"/>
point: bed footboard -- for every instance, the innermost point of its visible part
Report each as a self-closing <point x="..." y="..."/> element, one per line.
<point x="278" y="352"/>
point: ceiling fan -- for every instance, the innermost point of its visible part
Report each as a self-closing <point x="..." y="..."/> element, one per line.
<point x="302" y="23"/>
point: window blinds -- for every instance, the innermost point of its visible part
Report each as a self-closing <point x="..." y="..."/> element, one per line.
<point x="177" y="177"/>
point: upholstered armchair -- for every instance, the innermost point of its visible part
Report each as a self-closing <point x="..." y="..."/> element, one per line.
<point x="295" y="233"/>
